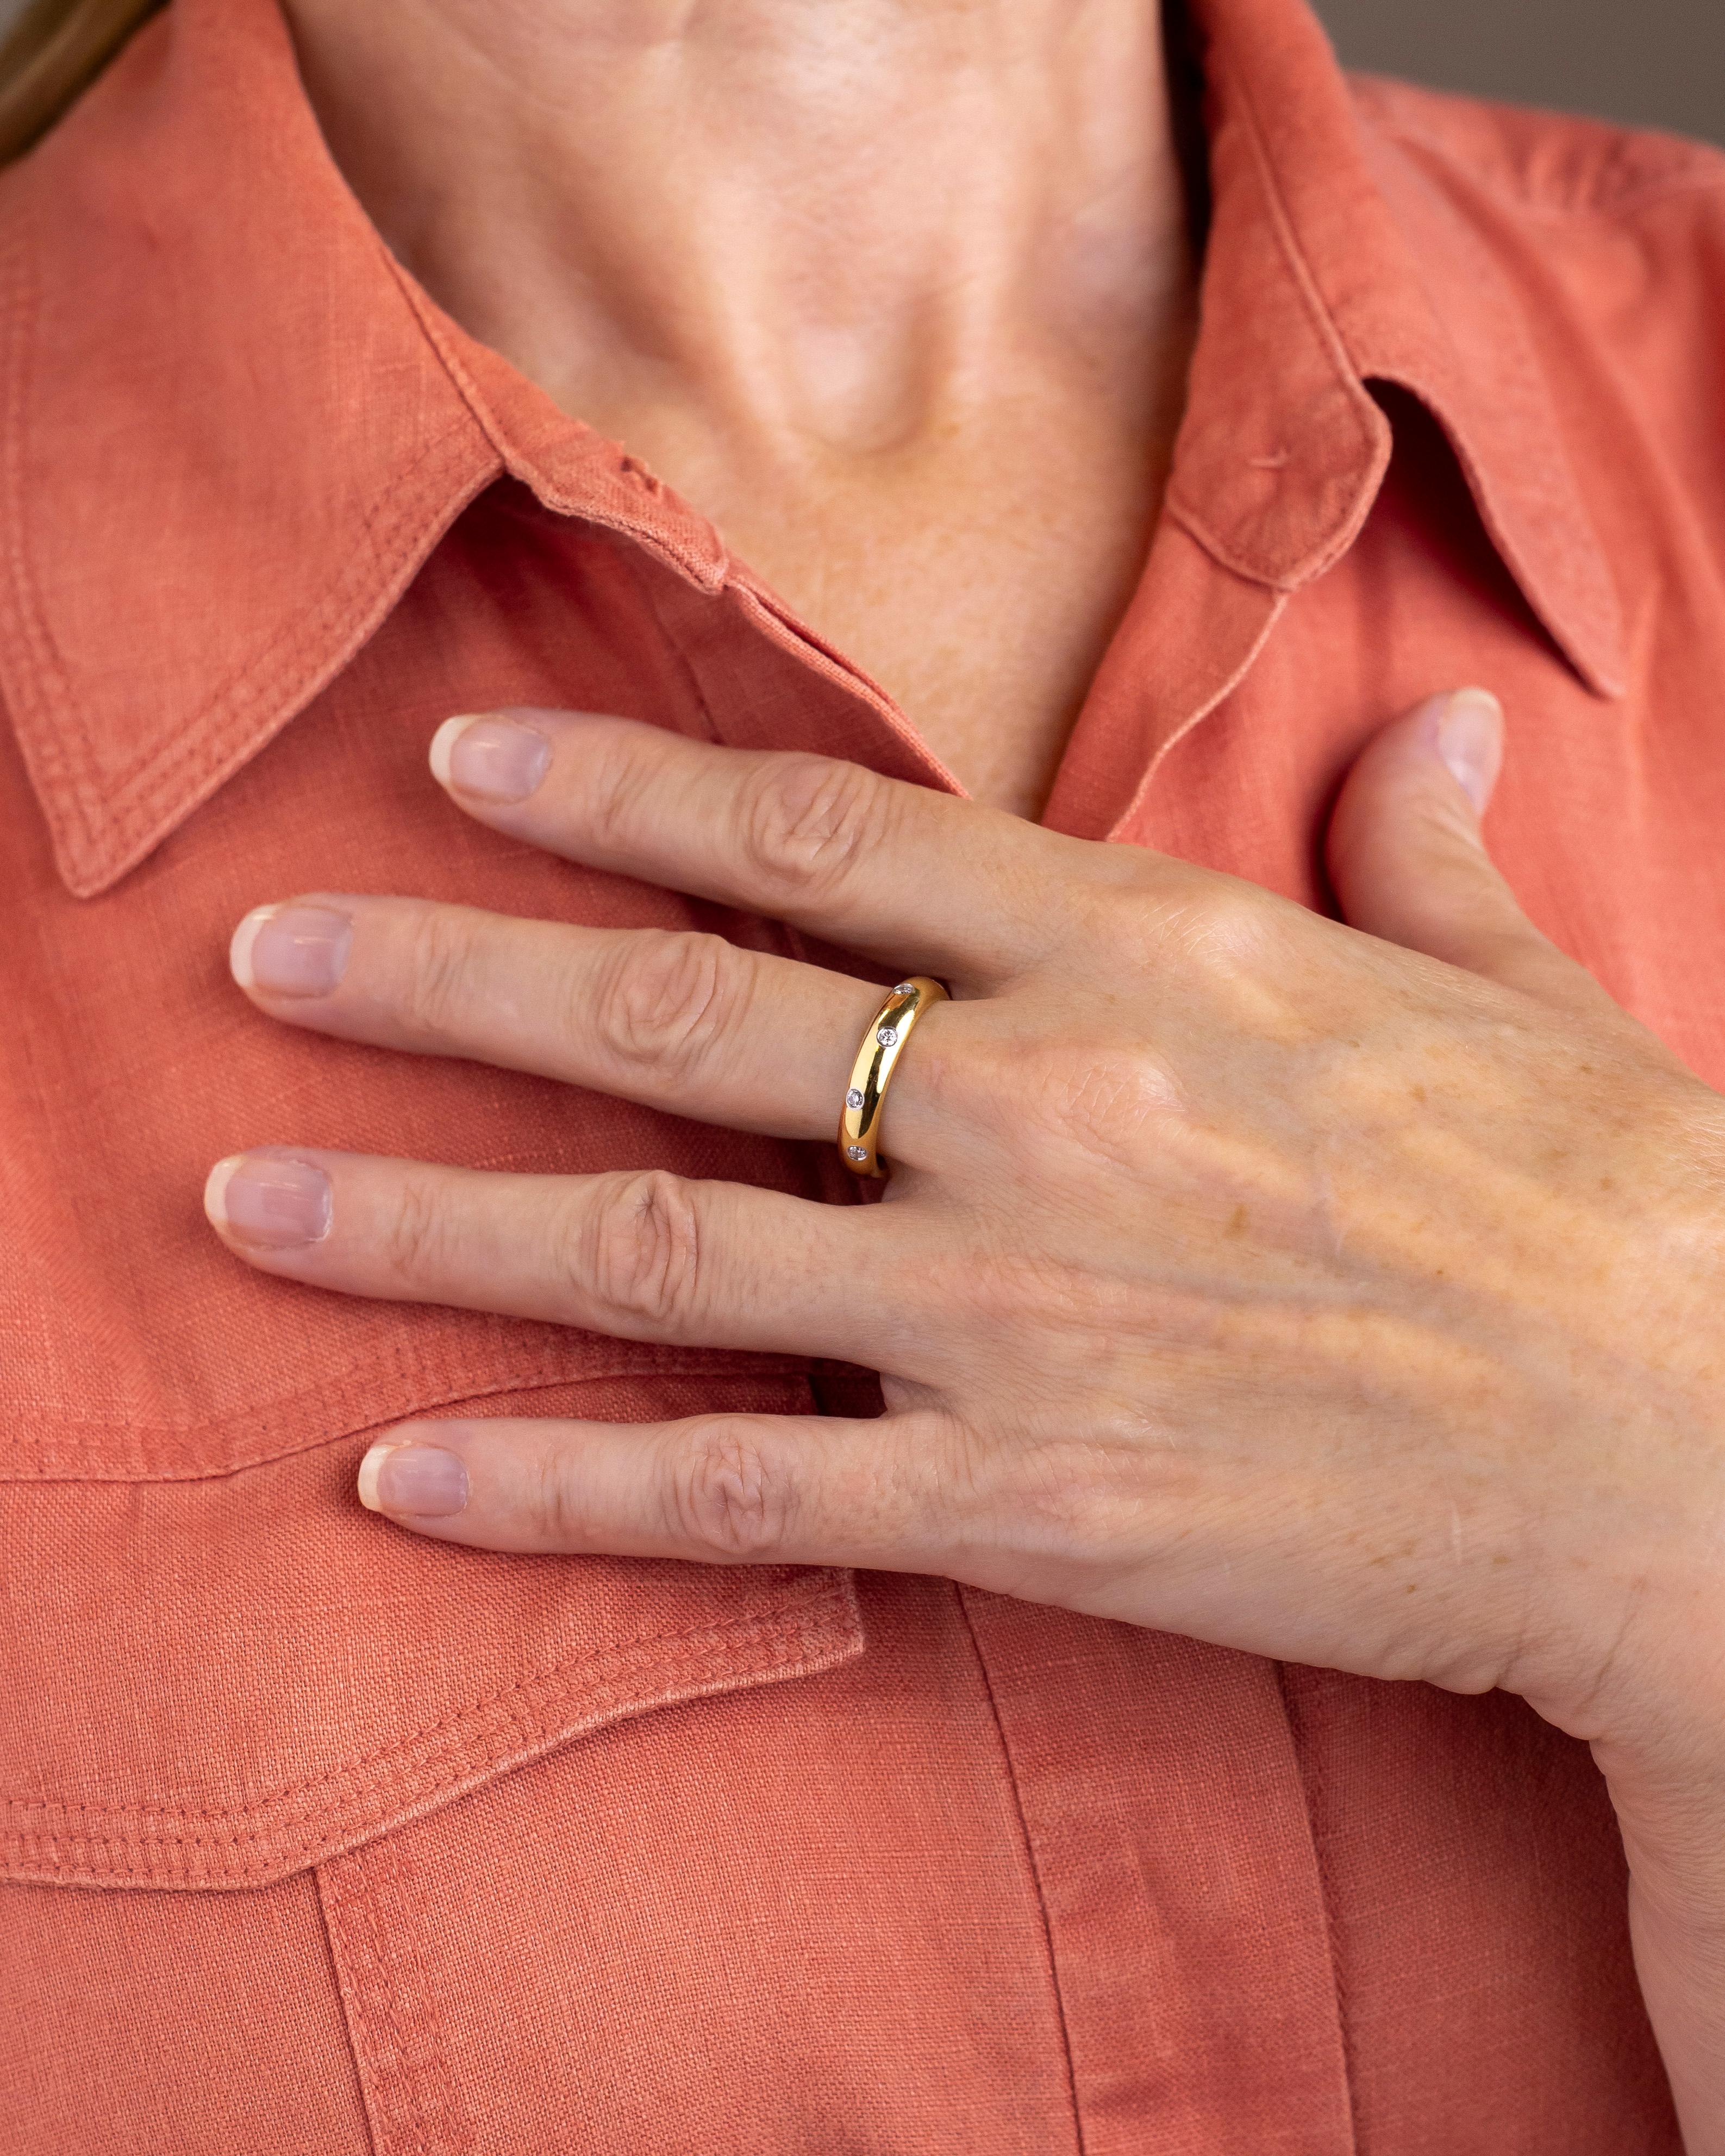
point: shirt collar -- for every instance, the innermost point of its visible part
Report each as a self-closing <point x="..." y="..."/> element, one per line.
<point x="228" y="442"/>
<point x="1336" y="260"/>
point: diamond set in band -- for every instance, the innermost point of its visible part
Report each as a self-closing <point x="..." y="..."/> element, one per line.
<point x="858" y="1126"/>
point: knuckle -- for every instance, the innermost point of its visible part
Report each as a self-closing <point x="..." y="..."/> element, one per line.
<point x="416" y="1240"/>
<point x="730" y="1492"/>
<point x="1147" y="915"/>
<point x="1114" y="1102"/>
<point x="1242" y="953"/>
<point x="617" y="794"/>
<point x="1098" y="1091"/>
<point x="438" y="986"/>
<point x="1221" y="925"/>
<point x="671" y="998"/>
<point x="553" y="1500"/>
<point x="1122" y="905"/>
<point x="637" y="1253"/>
<point x="805" y="820"/>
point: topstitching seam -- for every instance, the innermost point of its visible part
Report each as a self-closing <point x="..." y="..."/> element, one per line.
<point x="1029" y="1847"/>
<point x="1326" y="1895"/>
<point x="656" y="1360"/>
<point x="417" y="2098"/>
<point x="798" y="1603"/>
<point x="1372" y="430"/>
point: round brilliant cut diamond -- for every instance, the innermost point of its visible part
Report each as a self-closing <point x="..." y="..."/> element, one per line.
<point x="886" y="1036"/>
<point x="854" y="1098"/>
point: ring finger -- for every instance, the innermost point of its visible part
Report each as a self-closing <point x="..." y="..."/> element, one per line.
<point x="678" y="1020"/>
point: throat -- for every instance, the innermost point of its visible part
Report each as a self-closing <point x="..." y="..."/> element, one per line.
<point x="900" y="294"/>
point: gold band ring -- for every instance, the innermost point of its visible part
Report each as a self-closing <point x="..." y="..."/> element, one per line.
<point x="882" y="1044"/>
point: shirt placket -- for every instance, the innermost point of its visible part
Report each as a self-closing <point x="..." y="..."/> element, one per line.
<point x="1157" y="1781"/>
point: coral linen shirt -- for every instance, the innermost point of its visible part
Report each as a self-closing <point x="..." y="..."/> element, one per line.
<point x="321" y="1838"/>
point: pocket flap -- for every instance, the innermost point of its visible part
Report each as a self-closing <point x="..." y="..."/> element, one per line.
<point x="217" y="1682"/>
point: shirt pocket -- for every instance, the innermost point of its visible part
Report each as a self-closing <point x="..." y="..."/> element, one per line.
<point x="217" y="1681"/>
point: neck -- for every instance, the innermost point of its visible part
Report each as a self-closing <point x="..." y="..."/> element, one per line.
<point x="897" y="293"/>
<point x="803" y="224"/>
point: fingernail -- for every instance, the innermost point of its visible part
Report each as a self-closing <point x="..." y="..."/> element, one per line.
<point x="267" y="1202"/>
<point x="494" y="759"/>
<point x="413" y="1478"/>
<point x="1469" y="738"/>
<point x="291" y="950"/>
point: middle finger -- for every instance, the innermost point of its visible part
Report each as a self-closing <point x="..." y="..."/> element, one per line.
<point x="674" y="1019"/>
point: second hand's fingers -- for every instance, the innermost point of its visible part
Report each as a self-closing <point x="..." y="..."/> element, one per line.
<point x="640" y="1253"/>
<point x="1409" y="864"/>
<point x="687" y="1022"/>
<point x="921" y="880"/>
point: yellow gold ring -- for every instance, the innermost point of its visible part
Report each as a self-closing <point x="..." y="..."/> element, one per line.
<point x="882" y="1044"/>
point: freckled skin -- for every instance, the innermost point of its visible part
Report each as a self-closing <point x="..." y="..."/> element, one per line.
<point x="1186" y="1312"/>
<point x="1271" y="1279"/>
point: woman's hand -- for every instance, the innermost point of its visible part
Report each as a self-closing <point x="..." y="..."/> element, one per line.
<point x="1357" y="1299"/>
<point x="1352" y="1298"/>
<point x="1356" y="1302"/>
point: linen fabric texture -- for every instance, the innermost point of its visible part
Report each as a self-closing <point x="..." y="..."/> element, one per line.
<point x="320" y="1838"/>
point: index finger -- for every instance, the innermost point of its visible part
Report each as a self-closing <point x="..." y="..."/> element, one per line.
<point x="917" y="879"/>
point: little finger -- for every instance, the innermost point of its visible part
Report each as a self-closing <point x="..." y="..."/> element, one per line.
<point x="718" y="1489"/>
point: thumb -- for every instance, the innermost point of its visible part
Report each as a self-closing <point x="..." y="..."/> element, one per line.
<point x="1408" y="864"/>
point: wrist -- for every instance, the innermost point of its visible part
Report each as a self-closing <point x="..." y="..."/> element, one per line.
<point x="1658" y="1738"/>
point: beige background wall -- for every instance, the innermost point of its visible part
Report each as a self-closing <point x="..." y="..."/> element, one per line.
<point x="1658" y="62"/>
<point x="1655" y="63"/>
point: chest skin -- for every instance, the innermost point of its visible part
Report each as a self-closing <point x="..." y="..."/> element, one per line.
<point x="979" y="587"/>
